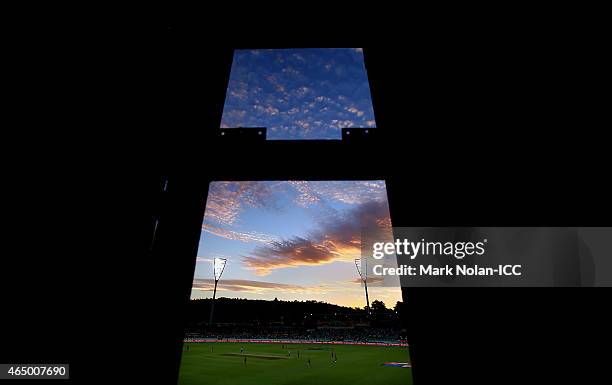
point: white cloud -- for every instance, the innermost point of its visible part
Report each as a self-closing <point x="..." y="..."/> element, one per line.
<point x="249" y="236"/>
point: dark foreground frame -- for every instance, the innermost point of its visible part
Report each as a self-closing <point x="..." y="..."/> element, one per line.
<point x="215" y="157"/>
<point x="459" y="146"/>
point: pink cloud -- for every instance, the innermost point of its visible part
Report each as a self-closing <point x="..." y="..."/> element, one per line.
<point x="337" y="238"/>
<point x="246" y="285"/>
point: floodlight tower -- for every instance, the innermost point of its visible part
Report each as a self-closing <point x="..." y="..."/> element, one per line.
<point x="364" y="278"/>
<point x="218" y="267"/>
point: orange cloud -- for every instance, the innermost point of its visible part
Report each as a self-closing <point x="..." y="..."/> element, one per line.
<point x="246" y="285"/>
<point x="338" y="238"/>
<point x="370" y="280"/>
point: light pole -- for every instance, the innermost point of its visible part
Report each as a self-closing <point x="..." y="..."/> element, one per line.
<point x="364" y="278"/>
<point x="218" y="267"/>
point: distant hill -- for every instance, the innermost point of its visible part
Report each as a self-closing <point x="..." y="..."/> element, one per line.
<point x="235" y="310"/>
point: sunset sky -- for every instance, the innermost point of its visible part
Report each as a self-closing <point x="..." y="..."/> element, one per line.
<point x="309" y="93"/>
<point x="290" y="240"/>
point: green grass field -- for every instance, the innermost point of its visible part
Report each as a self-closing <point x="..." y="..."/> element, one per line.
<point x="269" y="364"/>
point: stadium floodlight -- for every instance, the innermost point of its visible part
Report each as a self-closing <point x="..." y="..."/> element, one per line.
<point x="364" y="278"/>
<point x="218" y="267"/>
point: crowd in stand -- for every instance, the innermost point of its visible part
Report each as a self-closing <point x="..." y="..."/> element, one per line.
<point x="356" y="334"/>
<point x="362" y="334"/>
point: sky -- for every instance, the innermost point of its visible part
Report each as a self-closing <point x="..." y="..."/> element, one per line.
<point x="291" y="240"/>
<point x="308" y="93"/>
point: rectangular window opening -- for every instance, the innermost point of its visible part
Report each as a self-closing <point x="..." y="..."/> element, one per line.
<point x="279" y="258"/>
<point x="299" y="94"/>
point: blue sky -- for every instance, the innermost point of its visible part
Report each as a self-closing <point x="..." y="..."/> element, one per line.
<point x="308" y="93"/>
<point x="290" y="240"/>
